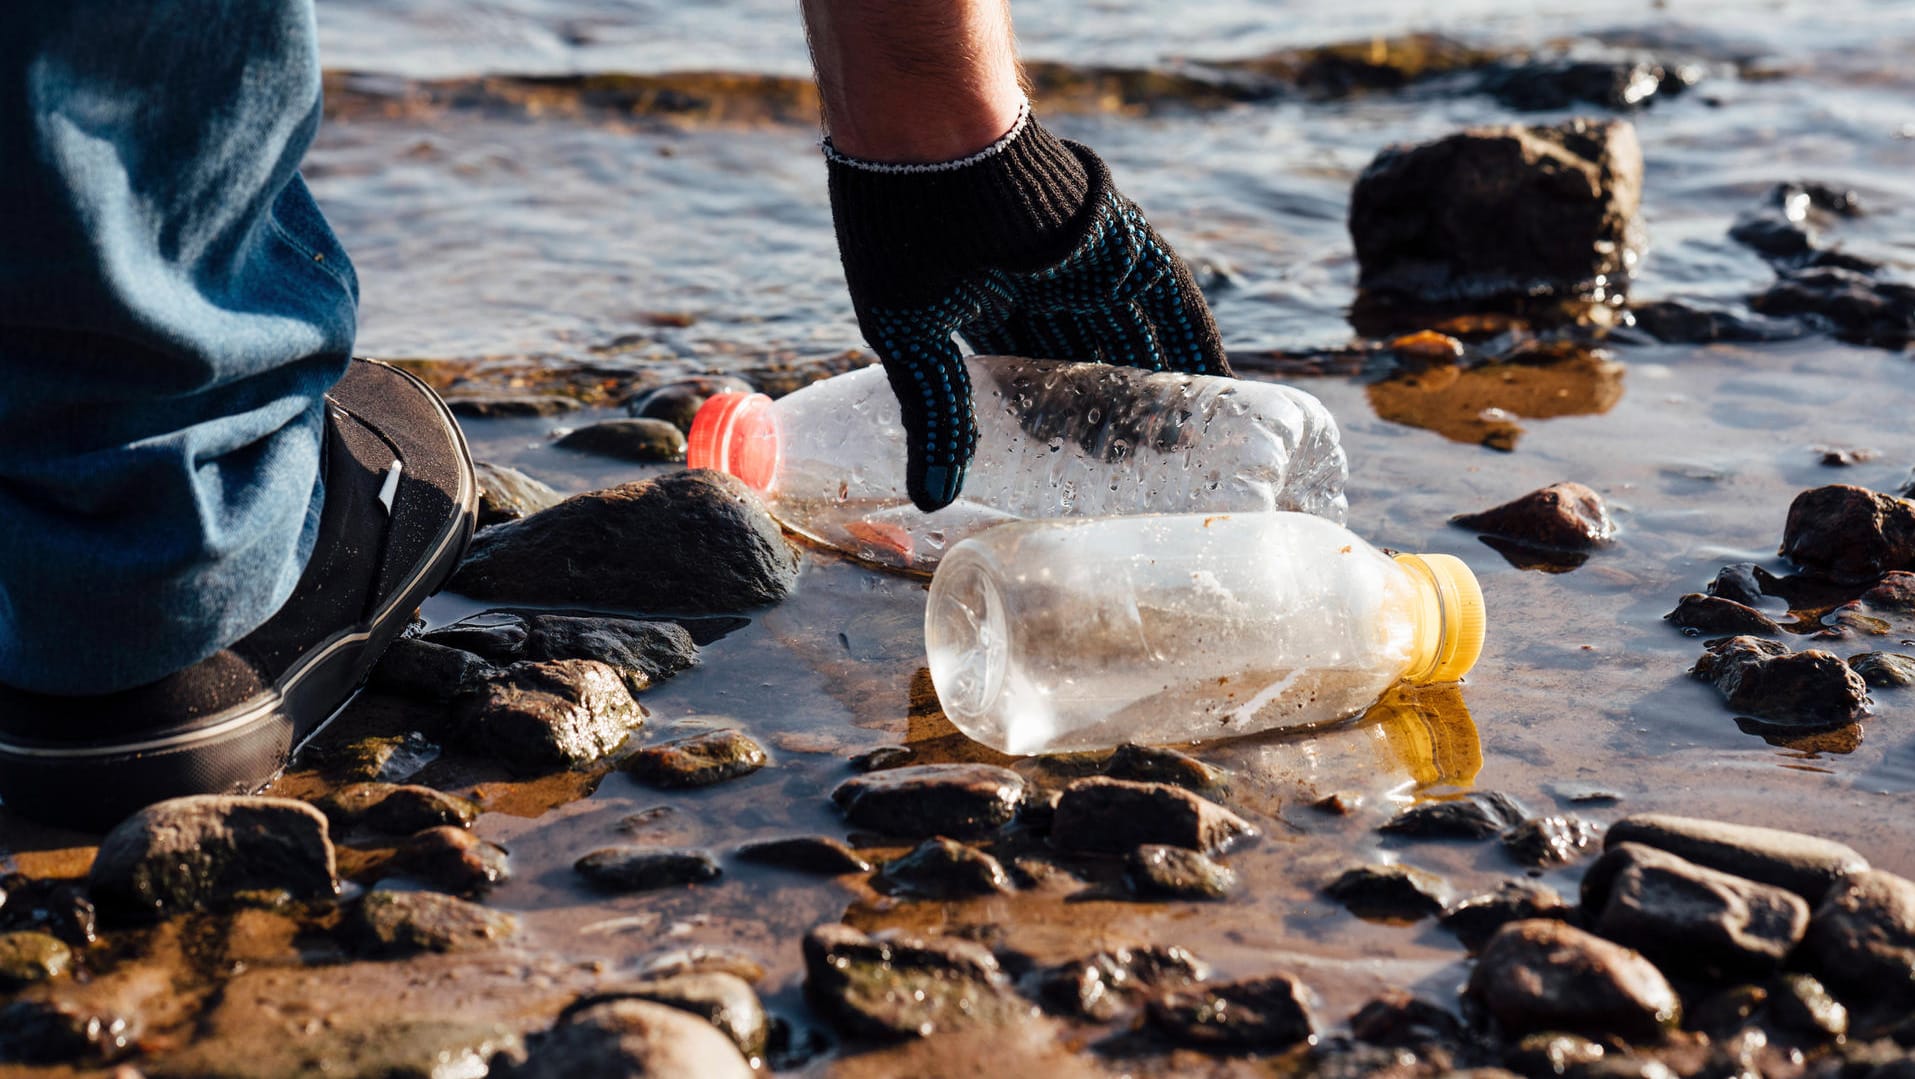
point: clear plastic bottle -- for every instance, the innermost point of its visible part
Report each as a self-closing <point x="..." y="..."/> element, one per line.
<point x="1054" y="440"/>
<point x="1063" y="635"/>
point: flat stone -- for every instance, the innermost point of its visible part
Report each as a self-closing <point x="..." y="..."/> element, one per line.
<point x="1271" y="1012"/>
<point x="641" y="440"/>
<point x="1562" y="516"/>
<point x="419" y="668"/>
<point x="1478" y="815"/>
<point x="1102" y="986"/>
<point x="1546" y="842"/>
<point x="1884" y="670"/>
<point x="1861" y="940"/>
<point x="1160" y="872"/>
<point x="1476" y="919"/>
<point x="1804" y="864"/>
<point x="393" y="809"/>
<point x="697" y="761"/>
<point x="1115" y="816"/>
<point x="961" y="800"/>
<point x="639" y="869"/>
<point x="677" y="403"/>
<point x="1809" y="690"/>
<point x="1156" y="764"/>
<point x="1689" y="918"/>
<point x="1850" y="533"/>
<point x="708" y="547"/>
<point x="1700" y="615"/>
<point x="507" y="407"/>
<point x="1389" y="892"/>
<point x="29" y="957"/>
<point x="941" y="868"/>
<point x="1540" y="975"/>
<point x="892" y="988"/>
<point x="200" y="853"/>
<point x="389" y="924"/>
<point x="452" y="860"/>
<point x="807" y="854"/>
<point x="634" y="1038"/>
<point x="506" y="494"/>
<point x="724" y="1000"/>
<point x="567" y="713"/>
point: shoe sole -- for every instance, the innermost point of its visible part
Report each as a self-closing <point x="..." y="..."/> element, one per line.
<point x="248" y="746"/>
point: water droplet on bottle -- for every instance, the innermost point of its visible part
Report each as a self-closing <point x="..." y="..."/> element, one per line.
<point x="1055" y="444"/>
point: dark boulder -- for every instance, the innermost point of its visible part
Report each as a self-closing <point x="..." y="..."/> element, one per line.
<point x="1476" y="919"/>
<point x="1844" y="303"/>
<point x="807" y="854"/>
<point x="640" y="869"/>
<point x="416" y="667"/>
<point x="1547" y="842"/>
<point x="1501" y="211"/>
<point x="1680" y="322"/>
<point x="1810" y="690"/>
<point x="1101" y="986"/>
<point x="1861" y="941"/>
<point x="1114" y="816"/>
<point x="1691" y="919"/>
<point x="696" y="542"/>
<point x="1850" y="533"/>
<point x="208" y="851"/>
<point x="644" y="653"/>
<point x="1400" y="1020"/>
<point x="451" y="860"/>
<point x="1547" y="83"/>
<point x="391" y="924"/>
<point x="567" y="713"/>
<point x="1547" y="976"/>
<point x="962" y="800"/>
<point x="393" y="809"/>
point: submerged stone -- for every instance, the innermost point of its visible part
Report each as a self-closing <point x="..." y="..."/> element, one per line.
<point x="940" y="868"/>
<point x="1850" y="533"/>
<point x="890" y="988"/>
<point x="1271" y="1012"/>
<point x="697" y="761"/>
<point x="1477" y="815"/>
<point x="391" y="924"/>
<point x="1562" y="516"/>
<point x="1804" y="864"/>
<point x="506" y="494"/>
<point x="203" y="852"/>
<point x="883" y="757"/>
<point x="809" y="854"/>
<point x="1679" y="322"/>
<point x="1689" y="918"/>
<point x="1476" y="919"/>
<point x="1812" y="690"/>
<point x="1545" y="842"/>
<point x="708" y="547"/>
<point x="1389" y="892"/>
<point x="556" y="714"/>
<point x="1700" y="615"/>
<point x="641" y="440"/>
<point x="638" y="869"/>
<point x="1160" y="872"/>
<point x="1546" y="976"/>
<point x="634" y="1037"/>
<point x="1115" y="816"/>
<point x="393" y="809"/>
<point x="962" y="800"/>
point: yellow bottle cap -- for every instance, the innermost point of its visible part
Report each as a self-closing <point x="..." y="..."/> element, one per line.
<point x="1449" y="637"/>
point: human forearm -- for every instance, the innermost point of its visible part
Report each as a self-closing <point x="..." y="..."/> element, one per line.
<point x="914" y="81"/>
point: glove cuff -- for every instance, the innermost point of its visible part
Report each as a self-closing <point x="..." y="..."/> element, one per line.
<point x="1021" y="203"/>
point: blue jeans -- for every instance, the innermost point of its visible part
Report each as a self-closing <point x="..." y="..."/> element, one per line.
<point x="172" y="310"/>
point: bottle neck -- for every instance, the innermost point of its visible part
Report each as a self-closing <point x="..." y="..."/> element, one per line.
<point x="1449" y="618"/>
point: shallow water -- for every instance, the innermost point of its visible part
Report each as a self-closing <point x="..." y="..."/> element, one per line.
<point x="560" y="235"/>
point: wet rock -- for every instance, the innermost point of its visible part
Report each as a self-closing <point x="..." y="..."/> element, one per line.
<point x="1114" y="816"/>
<point x="1861" y="941"/>
<point x="506" y="494"/>
<point x="807" y="854"/>
<point x="1700" y="615"/>
<point x="64" y="1021"/>
<point x="1554" y="1054"/>
<point x="415" y="667"/>
<point x="200" y="853"/>
<point x="1579" y="793"/>
<point x="1477" y="815"/>
<point x="1850" y="533"/>
<point x="677" y="403"/>
<point x="1803" y="864"/>
<point x="639" y="869"/>
<point x="382" y="759"/>
<point x="56" y="907"/>
<point x="644" y="653"/>
<point x="1895" y="592"/>
<point x="883" y="757"/>
<point x="697" y="542"/>
<point x="1812" y="690"/>
<point x="634" y="1038"/>
<point x="1884" y="670"/>
<point x="891" y="988"/>
<point x="1801" y="1004"/>
<point x="697" y="761"/>
<point x="1745" y="583"/>
<point x="452" y="860"/>
<point x="726" y="1001"/>
<point x="641" y="440"/>
<point x="1102" y="986"/>
<point x="1544" y="842"/>
<point x="566" y="713"/>
<point x="392" y="809"/>
<point x="508" y="407"/>
<point x="1155" y="764"/>
<point x="1843" y="303"/>
<point x="1160" y="872"/>
<point x="29" y="957"/>
<point x="1772" y="234"/>
<point x="1679" y="322"/>
<point x="1621" y="81"/>
<point x="1271" y="1012"/>
<point x="1688" y="918"/>
<point x="1476" y="919"/>
<point x="1398" y="1019"/>
<point x="391" y="924"/>
<point x="1500" y="211"/>
<point x="961" y="800"/>
<point x="1389" y="892"/>
<point x="1563" y="516"/>
<point x="940" y="868"/>
<point x="1546" y="976"/>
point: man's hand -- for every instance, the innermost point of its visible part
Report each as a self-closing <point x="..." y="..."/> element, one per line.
<point x="1019" y="245"/>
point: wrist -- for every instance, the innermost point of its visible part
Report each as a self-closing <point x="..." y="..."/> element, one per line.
<point x="927" y="129"/>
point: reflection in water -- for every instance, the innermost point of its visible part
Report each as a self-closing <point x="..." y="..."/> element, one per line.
<point x="1481" y="404"/>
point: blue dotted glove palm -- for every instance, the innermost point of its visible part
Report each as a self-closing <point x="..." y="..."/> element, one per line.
<point x="1026" y="249"/>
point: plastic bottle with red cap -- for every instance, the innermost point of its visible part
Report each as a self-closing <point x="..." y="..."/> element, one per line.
<point x="1054" y="440"/>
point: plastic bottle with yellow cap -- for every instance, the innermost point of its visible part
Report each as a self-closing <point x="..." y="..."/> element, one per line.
<point x="1084" y="634"/>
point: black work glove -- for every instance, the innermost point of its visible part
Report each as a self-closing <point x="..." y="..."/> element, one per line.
<point x="1024" y="249"/>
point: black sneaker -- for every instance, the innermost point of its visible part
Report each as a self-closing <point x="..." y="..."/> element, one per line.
<point x="401" y="499"/>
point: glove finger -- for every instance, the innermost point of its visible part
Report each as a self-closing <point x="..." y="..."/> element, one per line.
<point x="933" y="389"/>
<point x="1175" y="309"/>
<point x="1057" y="335"/>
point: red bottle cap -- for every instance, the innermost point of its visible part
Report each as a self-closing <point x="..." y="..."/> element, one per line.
<point x="736" y="433"/>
